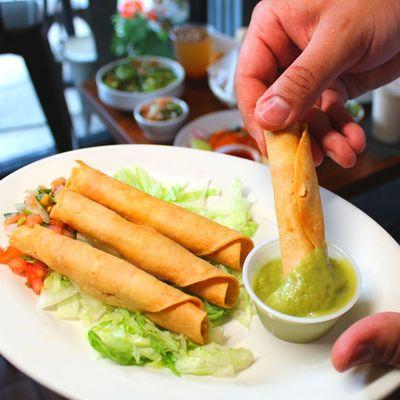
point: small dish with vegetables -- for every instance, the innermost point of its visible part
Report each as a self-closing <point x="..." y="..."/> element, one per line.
<point x="161" y="118"/>
<point x="123" y="83"/>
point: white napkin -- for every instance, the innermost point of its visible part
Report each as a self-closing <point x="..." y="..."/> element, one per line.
<point x="223" y="72"/>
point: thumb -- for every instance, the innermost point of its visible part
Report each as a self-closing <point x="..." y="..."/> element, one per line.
<point x="302" y="83"/>
<point x="374" y="339"/>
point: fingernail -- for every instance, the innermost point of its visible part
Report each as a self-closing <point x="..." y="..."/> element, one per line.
<point x="275" y="111"/>
<point x="362" y="354"/>
<point x="331" y="155"/>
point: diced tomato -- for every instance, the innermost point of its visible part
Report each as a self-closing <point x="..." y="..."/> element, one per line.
<point x="12" y="219"/>
<point x="8" y="254"/>
<point x="18" y="265"/>
<point x="33" y="219"/>
<point x="58" y="182"/>
<point x="57" y="223"/>
<point x="36" y="284"/>
<point x="68" y="233"/>
<point x="56" y="229"/>
<point x="41" y="269"/>
<point x="36" y="270"/>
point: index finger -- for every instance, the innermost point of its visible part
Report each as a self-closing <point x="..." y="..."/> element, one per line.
<point x="258" y="65"/>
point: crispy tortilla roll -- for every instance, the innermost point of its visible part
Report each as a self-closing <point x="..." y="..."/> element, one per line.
<point x="296" y="192"/>
<point x="115" y="281"/>
<point x="147" y="249"/>
<point x="200" y="235"/>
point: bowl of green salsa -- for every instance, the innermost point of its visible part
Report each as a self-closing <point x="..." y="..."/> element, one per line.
<point x="304" y="305"/>
<point x="124" y="83"/>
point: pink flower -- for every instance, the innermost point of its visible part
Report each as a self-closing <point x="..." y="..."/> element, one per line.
<point x="129" y="8"/>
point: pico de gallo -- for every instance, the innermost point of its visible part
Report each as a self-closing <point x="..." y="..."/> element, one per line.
<point x="161" y="109"/>
<point x="35" y="209"/>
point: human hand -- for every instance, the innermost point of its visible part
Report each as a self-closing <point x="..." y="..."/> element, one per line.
<point x="374" y="339"/>
<point x="301" y="60"/>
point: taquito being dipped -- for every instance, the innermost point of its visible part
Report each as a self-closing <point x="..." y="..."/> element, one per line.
<point x="198" y="234"/>
<point x="115" y="281"/>
<point x="303" y="283"/>
<point x="296" y="193"/>
<point x="147" y="249"/>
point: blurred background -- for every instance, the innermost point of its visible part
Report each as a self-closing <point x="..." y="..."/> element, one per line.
<point x="25" y="132"/>
<point x="50" y="51"/>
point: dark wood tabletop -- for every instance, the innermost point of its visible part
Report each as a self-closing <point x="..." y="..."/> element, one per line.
<point x="370" y="170"/>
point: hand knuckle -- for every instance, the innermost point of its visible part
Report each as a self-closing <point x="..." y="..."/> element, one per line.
<point x="301" y="81"/>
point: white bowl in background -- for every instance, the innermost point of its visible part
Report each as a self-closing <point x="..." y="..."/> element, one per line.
<point x="161" y="131"/>
<point x="284" y="326"/>
<point x="126" y="101"/>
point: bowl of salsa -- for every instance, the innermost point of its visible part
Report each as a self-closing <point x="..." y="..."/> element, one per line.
<point x="122" y="84"/>
<point x="306" y="304"/>
<point x="161" y="118"/>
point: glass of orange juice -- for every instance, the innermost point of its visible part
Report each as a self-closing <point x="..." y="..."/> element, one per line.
<point x="193" y="48"/>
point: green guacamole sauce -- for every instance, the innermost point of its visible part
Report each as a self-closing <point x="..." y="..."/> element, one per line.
<point x="317" y="286"/>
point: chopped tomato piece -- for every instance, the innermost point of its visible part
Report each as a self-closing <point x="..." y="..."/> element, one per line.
<point x="12" y="219"/>
<point x="8" y="254"/>
<point x="18" y="265"/>
<point x="36" y="270"/>
<point x="33" y="219"/>
<point x="41" y="269"/>
<point x="36" y="284"/>
<point x="58" y="182"/>
<point x="56" y="229"/>
<point x="57" y="223"/>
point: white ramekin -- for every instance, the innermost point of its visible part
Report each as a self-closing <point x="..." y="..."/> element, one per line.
<point x="126" y="101"/>
<point x="287" y="327"/>
<point x="161" y="131"/>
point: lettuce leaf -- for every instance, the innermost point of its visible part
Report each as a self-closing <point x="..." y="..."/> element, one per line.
<point x="177" y="193"/>
<point x="131" y="339"/>
<point x="61" y="295"/>
<point x="214" y="359"/>
<point x="236" y="215"/>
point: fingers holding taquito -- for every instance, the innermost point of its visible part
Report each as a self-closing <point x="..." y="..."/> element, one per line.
<point x="115" y="281"/>
<point x="296" y="193"/>
<point x="211" y="240"/>
<point x="147" y="249"/>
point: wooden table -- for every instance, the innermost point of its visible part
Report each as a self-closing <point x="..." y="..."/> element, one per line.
<point x="369" y="171"/>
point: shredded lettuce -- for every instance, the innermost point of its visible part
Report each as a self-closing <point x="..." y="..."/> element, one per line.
<point x="177" y="193"/>
<point x="214" y="359"/>
<point x="236" y="215"/>
<point x="61" y="295"/>
<point x="131" y="339"/>
<point x="217" y="315"/>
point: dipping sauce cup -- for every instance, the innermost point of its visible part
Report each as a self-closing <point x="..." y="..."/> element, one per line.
<point x="288" y="327"/>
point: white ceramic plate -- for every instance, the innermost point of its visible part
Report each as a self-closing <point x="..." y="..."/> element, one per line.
<point x="56" y="353"/>
<point x="208" y="124"/>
